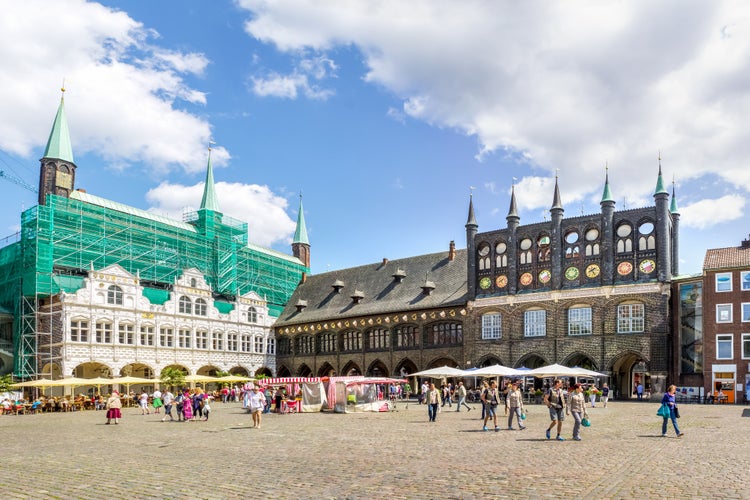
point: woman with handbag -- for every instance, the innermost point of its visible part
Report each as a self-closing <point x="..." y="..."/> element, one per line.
<point x="577" y="407"/>
<point x="669" y="400"/>
<point x="514" y="406"/>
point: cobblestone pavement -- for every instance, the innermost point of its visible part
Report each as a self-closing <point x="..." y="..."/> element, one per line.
<point x="397" y="454"/>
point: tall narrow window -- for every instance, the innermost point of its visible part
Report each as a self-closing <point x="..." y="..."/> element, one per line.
<point x="724" y="348"/>
<point x="200" y="307"/>
<point x="184" y="338"/>
<point x="535" y="323"/>
<point x="217" y="341"/>
<point x="166" y="336"/>
<point x="126" y="334"/>
<point x="491" y="326"/>
<point x="252" y="315"/>
<point x="406" y="336"/>
<point x="114" y="295"/>
<point x="631" y="318"/>
<point x="186" y="306"/>
<point x="579" y="321"/>
<point x="103" y="333"/>
<point x="147" y="335"/>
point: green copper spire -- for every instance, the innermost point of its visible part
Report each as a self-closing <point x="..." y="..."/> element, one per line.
<point x="300" y="235"/>
<point x="660" y="189"/>
<point x="210" y="201"/>
<point x="607" y="194"/>
<point x="673" y="206"/>
<point x="58" y="144"/>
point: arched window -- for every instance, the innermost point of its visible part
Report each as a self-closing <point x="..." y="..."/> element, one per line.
<point x="186" y="306"/>
<point x="501" y="259"/>
<point x="483" y="254"/>
<point x="114" y="295"/>
<point x="200" y="307"/>
<point x="252" y="315"/>
<point x="625" y="238"/>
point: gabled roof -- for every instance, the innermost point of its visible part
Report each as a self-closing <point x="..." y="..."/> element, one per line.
<point x="381" y="291"/>
<point x="726" y="258"/>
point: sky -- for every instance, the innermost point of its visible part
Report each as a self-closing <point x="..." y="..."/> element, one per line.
<point x="385" y="115"/>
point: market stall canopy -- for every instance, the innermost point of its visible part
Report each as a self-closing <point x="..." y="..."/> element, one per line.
<point x="443" y="371"/>
<point x="554" y="370"/>
<point x="233" y="378"/>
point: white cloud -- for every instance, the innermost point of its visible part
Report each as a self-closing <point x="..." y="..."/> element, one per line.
<point x="710" y="212"/>
<point x="111" y="68"/>
<point x="302" y="80"/>
<point x="239" y="201"/>
<point x="561" y="85"/>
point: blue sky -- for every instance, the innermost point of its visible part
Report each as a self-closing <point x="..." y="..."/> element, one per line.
<point x="385" y="114"/>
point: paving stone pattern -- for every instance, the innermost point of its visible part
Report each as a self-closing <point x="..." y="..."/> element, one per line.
<point x="368" y="455"/>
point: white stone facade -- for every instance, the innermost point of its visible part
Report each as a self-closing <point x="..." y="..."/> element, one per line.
<point x="110" y="322"/>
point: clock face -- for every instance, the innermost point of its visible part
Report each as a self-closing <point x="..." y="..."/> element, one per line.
<point x="501" y="281"/>
<point x="485" y="283"/>
<point x="545" y="276"/>
<point x="592" y="271"/>
<point x="571" y="273"/>
<point x="526" y="279"/>
<point x="647" y="266"/>
<point x="624" y="268"/>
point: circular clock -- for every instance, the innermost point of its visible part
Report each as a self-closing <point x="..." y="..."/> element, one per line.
<point x="571" y="273"/>
<point x="624" y="268"/>
<point x="592" y="271"/>
<point x="526" y="279"/>
<point x="501" y="281"/>
<point x="485" y="283"/>
<point x="647" y="266"/>
<point x="545" y="276"/>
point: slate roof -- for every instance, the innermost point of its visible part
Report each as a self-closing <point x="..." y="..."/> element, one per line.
<point x="381" y="292"/>
<point x="725" y="258"/>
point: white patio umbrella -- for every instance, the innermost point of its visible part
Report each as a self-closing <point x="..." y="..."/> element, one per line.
<point x="584" y="372"/>
<point x="498" y="371"/>
<point x="443" y="371"/>
<point x="554" y="370"/>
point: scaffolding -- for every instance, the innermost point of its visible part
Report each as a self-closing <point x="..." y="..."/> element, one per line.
<point x="66" y="237"/>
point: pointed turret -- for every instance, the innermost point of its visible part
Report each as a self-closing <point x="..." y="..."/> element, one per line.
<point x="675" y="233"/>
<point x="300" y="234"/>
<point x="57" y="172"/>
<point x="471" y="233"/>
<point x="58" y="144"/>
<point x="673" y="205"/>
<point x="555" y="245"/>
<point x="513" y="209"/>
<point x="300" y="243"/>
<point x="557" y="202"/>
<point x="210" y="201"/>
<point x="660" y="189"/>
<point x="607" y="194"/>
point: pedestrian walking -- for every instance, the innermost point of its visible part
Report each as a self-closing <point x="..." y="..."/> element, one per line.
<point x="187" y="406"/>
<point x="639" y="391"/>
<point x="156" y="402"/>
<point x="605" y="394"/>
<point x="592" y="395"/>
<point x="577" y="407"/>
<point x="490" y="399"/>
<point x="432" y="400"/>
<point x="514" y="406"/>
<point x="168" y="399"/>
<point x="446" y="389"/>
<point x="674" y="413"/>
<point x="461" y="392"/>
<point x="198" y="396"/>
<point x="555" y="401"/>
<point x="143" y="402"/>
<point x="256" y="404"/>
<point x="113" y="406"/>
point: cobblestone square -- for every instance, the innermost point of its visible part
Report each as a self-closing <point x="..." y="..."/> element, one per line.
<point x="368" y="455"/>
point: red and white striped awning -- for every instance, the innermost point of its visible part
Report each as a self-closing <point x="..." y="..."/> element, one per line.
<point x="265" y="382"/>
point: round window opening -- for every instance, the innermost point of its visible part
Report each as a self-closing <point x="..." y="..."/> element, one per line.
<point x="592" y="234"/>
<point x="571" y="237"/>
<point x="646" y="228"/>
<point x="525" y="244"/>
<point x="501" y="248"/>
<point x="624" y="230"/>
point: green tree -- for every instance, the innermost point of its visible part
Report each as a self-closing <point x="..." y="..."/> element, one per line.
<point x="172" y="377"/>
<point x="5" y="383"/>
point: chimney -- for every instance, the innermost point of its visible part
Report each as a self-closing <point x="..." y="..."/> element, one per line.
<point x="452" y="251"/>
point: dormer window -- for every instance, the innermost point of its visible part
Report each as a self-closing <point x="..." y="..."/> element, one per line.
<point x="399" y="276"/>
<point x="428" y="287"/>
<point x="357" y="296"/>
<point x="337" y="286"/>
<point x="300" y="305"/>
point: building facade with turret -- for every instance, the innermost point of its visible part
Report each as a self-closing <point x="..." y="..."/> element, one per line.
<point x="93" y="287"/>
<point x="590" y="290"/>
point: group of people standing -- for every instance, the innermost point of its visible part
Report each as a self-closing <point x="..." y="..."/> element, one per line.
<point x="189" y="405"/>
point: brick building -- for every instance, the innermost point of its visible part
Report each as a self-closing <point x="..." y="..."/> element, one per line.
<point x="726" y="322"/>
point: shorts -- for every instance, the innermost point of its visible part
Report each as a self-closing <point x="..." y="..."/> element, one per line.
<point x="556" y="414"/>
<point x="491" y="410"/>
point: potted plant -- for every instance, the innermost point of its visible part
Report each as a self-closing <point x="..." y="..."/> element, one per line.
<point x="538" y="396"/>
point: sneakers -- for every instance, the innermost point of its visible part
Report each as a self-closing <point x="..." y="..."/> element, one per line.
<point x="547" y="434"/>
<point x="560" y="438"/>
<point x="576" y="439"/>
<point x="469" y="409"/>
<point x="511" y="429"/>
<point x="497" y="429"/>
<point x="663" y="435"/>
<point x="522" y="427"/>
<point x="680" y="434"/>
<point x="484" y="428"/>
